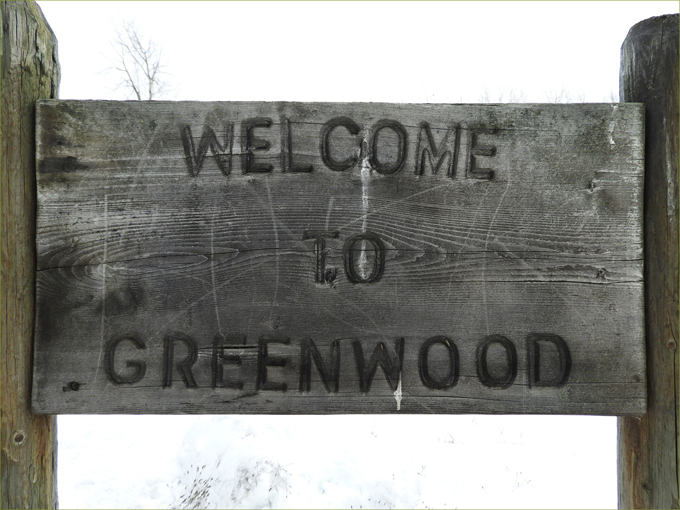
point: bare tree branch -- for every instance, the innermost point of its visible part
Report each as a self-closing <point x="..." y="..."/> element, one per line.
<point x="502" y="96"/>
<point x="564" y="96"/>
<point x="138" y="64"/>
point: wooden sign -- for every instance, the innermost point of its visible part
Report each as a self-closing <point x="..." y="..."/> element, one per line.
<point x="339" y="258"/>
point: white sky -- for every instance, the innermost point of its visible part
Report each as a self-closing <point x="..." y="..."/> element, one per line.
<point x="439" y="52"/>
<point x="417" y="52"/>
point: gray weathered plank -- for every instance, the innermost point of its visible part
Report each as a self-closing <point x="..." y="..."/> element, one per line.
<point x="162" y="225"/>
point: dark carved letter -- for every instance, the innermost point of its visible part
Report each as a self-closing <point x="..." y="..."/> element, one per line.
<point x="264" y="361"/>
<point x="329" y="375"/>
<point x="287" y="163"/>
<point x="220" y="344"/>
<point x="249" y="144"/>
<point x="350" y="252"/>
<point x="391" y="366"/>
<point x="392" y="167"/>
<point x="139" y="367"/>
<point x="476" y="150"/>
<point x="534" y="356"/>
<point x="183" y="366"/>
<point x="427" y="150"/>
<point x="452" y="377"/>
<point x="511" y="360"/>
<point x="326" y="131"/>
<point x="222" y="154"/>
<point x="320" y="273"/>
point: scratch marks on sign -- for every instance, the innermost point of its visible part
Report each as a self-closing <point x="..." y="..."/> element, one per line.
<point x="495" y="214"/>
<point x="612" y="125"/>
<point x="328" y="214"/>
<point x="173" y="319"/>
<point x="102" y="324"/>
<point x="396" y="202"/>
<point x="257" y="265"/>
<point x="397" y="393"/>
<point x="275" y="226"/>
<point x="281" y="229"/>
<point x="212" y="268"/>
<point x="463" y="243"/>
<point x="486" y="244"/>
<point x="367" y="324"/>
<point x="365" y="182"/>
<point x="146" y="163"/>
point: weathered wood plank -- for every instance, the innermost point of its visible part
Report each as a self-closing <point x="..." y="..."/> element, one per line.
<point x="30" y="71"/>
<point x="648" y="447"/>
<point x="326" y="226"/>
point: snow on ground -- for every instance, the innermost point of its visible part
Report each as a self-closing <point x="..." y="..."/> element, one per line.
<point x="342" y="461"/>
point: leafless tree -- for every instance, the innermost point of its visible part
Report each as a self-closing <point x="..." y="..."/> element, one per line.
<point x="502" y="96"/>
<point x="138" y="64"/>
<point x="564" y="96"/>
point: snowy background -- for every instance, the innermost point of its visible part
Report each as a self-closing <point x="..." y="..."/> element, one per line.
<point x="347" y="51"/>
<point x="337" y="462"/>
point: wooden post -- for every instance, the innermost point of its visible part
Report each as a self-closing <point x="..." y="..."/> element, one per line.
<point x="648" y="446"/>
<point x="30" y="71"/>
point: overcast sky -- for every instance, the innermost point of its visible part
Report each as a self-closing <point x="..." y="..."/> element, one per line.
<point x="443" y="52"/>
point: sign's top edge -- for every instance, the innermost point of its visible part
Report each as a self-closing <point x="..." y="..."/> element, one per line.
<point x="337" y="103"/>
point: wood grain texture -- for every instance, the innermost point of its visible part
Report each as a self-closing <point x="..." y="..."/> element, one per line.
<point x="30" y="71"/>
<point x="339" y="258"/>
<point x="648" y="446"/>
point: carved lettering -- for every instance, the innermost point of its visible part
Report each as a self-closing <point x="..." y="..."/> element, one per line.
<point x="138" y="367"/>
<point x="222" y="343"/>
<point x="485" y="376"/>
<point x="287" y="163"/>
<point x="476" y="151"/>
<point x="428" y="152"/>
<point x="195" y="157"/>
<point x="355" y="258"/>
<point x="250" y="144"/>
<point x="386" y="146"/>
<point x="388" y="167"/>
<point x="330" y="374"/>
<point x="391" y="365"/>
<point x="321" y="274"/>
<point x="326" y="131"/>
<point x="538" y="343"/>
<point x="438" y="362"/>
<point x="264" y="360"/>
<point x="184" y="366"/>
<point x="423" y="364"/>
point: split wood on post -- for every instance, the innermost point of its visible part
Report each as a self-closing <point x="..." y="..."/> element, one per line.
<point x="30" y="71"/>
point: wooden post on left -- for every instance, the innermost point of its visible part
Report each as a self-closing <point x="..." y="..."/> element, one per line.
<point x="30" y="71"/>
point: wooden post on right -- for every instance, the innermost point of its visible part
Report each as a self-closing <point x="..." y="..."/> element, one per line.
<point x="648" y="445"/>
